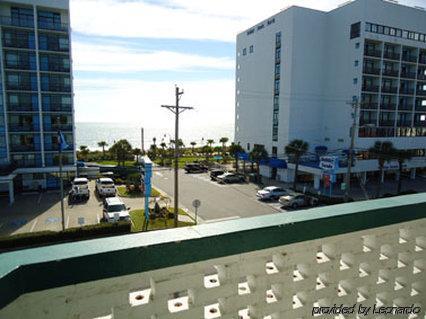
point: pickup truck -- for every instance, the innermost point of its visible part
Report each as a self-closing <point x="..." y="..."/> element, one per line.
<point x="298" y="200"/>
<point x="105" y="187"/>
<point x="80" y="188"/>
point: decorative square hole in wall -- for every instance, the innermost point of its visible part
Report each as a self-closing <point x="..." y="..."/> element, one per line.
<point x="211" y="281"/>
<point x="400" y="283"/>
<point x="271" y="268"/>
<point x="419" y="266"/>
<point x="346" y="261"/>
<point x="362" y="294"/>
<point x="178" y="304"/>
<point x="369" y="243"/>
<point x="420" y="243"/>
<point x="383" y="276"/>
<point x="344" y="288"/>
<point x="140" y="297"/>
<point x="270" y="296"/>
<point x="212" y="311"/>
<point x="325" y="253"/>
<point x="297" y="302"/>
<point x="415" y="288"/>
<point x="386" y="252"/>
<point x="243" y="288"/>
<point x="364" y="270"/>
<point x="297" y="273"/>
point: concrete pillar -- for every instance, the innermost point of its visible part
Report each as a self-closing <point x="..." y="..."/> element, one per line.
<point x="317" y="181"/>
<point x="11" y="193"/>
<point x="382" y="176"/>
<point x="364" y="178"/>
<point x="413" y="173"/>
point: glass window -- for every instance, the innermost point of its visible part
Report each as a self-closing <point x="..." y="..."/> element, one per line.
<point x="12" y="59"/>
<point x="423" y="102"/>
<point x="422" y="37"/>
<point x="63" y="43"/>
<point x="398" y="32"/>
<point x="244" y="51"/>
<point x="355" y="80"/>
<point x="356" y="63"/>
<point x="386" y="30"/>
<point x="357" y="45"/>
<point x="368" y="27"/>
<point x="355" y="30"/>
<point x="380" y="29"/>
<point x="405" y="34"/>
<point x="251" y="49"/>
<point x="374" y="28"/>
<point x="416" y="36"/>
<point x="392" y="31"/>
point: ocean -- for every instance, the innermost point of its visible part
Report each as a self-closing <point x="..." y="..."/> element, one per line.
<point x="89" y="134"/>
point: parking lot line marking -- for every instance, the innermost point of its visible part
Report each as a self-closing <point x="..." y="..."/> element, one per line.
<point x="68" y="221"/>
<point x="39" y="198"/>
<point x="33" y="226"/>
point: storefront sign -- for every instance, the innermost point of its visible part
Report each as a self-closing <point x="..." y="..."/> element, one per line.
<point x="329" y="163"/>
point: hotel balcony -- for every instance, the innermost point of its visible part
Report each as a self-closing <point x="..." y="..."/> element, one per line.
<point x="23" y="22"/>
<point x="406" y="91"/>
<point x="24" y="127"/>
<point x="393" y="73"/>
<point x="25" y="148"/>
<point x="22" y="107"/>
<point x="406" y="107"/>
<point x="372" y="53"/>
<point x="409" y="58"/>
<point x="421" y="92"/>
<point x="370" y="88"/>
<point x="371" y="70"/>
<point x="391" y="56"/>
<point x="386" y="122"/>
<point x="386" y="89"/>
<point x="52" y="26"/>
<point x="408" y="75"/>
<point x="388" y="106"/>
<point x="57" y="108"/>
<point x="369" y="105"/>
<point x="274" y="266"/>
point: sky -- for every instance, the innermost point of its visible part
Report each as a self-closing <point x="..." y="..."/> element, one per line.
<point x="128" y="55"/>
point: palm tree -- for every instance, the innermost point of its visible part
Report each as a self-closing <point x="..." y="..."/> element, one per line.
<point x="234" y="150"/>
<point x="210" y="142"/>
<point x="224" y="140"/>
<point x="383" y="152"/>
<point x="257" y="154"/>
<point x="122" y="150"/>
<point x="163" y="152"/>
<point x="84" y="151"/>
<point x="154" y="140"/>
<point x="103" y="144"/>
<point x="137" y="152"/>
<point x="296" y="149"/>
<point x="193" y="146"/>
<point x="401" y="156"/>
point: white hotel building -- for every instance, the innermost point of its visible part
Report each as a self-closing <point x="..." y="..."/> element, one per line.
<point x="299" y="70"/>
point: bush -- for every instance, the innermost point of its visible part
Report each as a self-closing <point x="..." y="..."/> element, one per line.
<point x="70" y="234"/>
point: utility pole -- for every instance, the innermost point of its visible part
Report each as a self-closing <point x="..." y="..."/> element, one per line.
<point x="176" y="109"/>
<point x="142" y="142"/>
<point x="354" y="104"/>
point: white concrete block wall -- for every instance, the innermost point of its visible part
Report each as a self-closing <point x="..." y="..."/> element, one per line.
<point x="385" y="265"/>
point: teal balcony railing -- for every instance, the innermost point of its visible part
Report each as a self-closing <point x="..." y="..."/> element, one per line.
<point x="274" y="266"/>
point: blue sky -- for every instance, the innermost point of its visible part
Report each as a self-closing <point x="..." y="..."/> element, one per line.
<point x="129" y="54"/>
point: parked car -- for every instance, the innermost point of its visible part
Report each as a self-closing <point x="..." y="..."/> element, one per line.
<point x="298" y="200"/>
<point x="216" y="172"/>
<point x="114" y="210"/>
<point x="230" y="178"/>
<point x="105" y="187"/>
<point x="271" y="192"/>
<point x="81" y="187"/>
<point x="78" y="194"/>
<point x="195" y="168"/>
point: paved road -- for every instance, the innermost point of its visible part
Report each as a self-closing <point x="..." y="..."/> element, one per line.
<point x="217" y="201"/>
<point x="37" y="212"/>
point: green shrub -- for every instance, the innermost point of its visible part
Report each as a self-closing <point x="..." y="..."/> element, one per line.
<point x="71" y="234"/>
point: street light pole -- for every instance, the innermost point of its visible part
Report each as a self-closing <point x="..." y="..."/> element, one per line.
<point x="355" y="106"/>
<point x="176" y="109"/>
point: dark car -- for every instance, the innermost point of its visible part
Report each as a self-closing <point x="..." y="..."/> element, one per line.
<point x="216" y="172"/>
<point x="195" y="168"/>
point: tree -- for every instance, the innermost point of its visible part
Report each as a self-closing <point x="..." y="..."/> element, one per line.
<point x="383" y="152"/>
<point x="154" y="140"/>
<point x="234" y="150"/>
<point x="224" y="140"/>
<point x="152" y="152"/>
<point x="137" y="152"/>
<point x="401" y="156"/>
<point x="296" y="149"/>
<point x="103" y="144"/>
<point x="193" y="146"/>
<point x="122" y="150"/>
<point x="84" y="151"/>
<point x="163" y="153"/>
<point x="257" y="154"/>
<point x="206" y="151"/>
<point x="210" y="142"/>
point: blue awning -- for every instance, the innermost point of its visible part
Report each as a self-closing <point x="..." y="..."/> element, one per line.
<point x="274" y="163"/>
<point x="243" y="156"/>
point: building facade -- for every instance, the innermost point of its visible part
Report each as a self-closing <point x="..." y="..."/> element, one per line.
<point x="301" y="72"/>
<point x="36" y="93"/>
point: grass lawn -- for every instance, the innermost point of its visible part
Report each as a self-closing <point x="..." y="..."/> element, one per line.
<point x="138" y="219"/>
<point x="126" y="163"/>
<point x="122" y="191"/>
<point x="184" y="160"/>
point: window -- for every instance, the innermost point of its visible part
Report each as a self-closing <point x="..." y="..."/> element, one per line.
<point x="380" y="29"/>
<point x="251" y="49"/>
<point x="277" y="87"/>
<point x="386" y="30"/>
<point x="405" y="34"/>
<point x="244" y="51"/>
<point x="423" y="102"/>
<point x="368" y="27"/>
<point x="356" y="63"/>
<point x="63" y="44"/>
<point x="357" y="45"/>
<point x="355" y="80"/>
<point x="248" y="146"/>
<point x="374" y="28"/>
<point x="392" y="31"/>
<point x="355" y="30"/>
<point x="399" y="33"/>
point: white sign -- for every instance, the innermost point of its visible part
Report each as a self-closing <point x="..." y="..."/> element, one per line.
<point x="329" y="163"/>
<point x="391" y="165"/>
<point x="196" y="203"/>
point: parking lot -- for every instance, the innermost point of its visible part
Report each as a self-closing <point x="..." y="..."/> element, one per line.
<point x="218" y="201"/>
<point x="37" y="212"/>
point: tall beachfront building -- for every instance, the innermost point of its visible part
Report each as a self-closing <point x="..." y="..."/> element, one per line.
<point x="299" y="71"/>
<point x="36" y="93"/>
